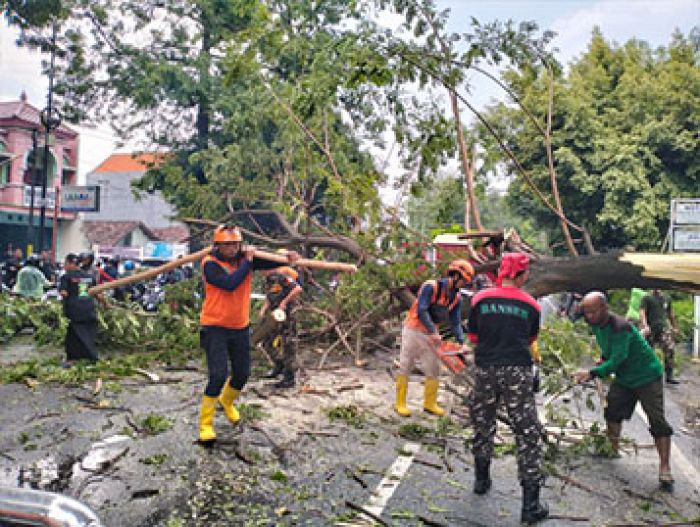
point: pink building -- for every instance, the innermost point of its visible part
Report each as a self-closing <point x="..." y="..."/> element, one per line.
<point x="18" y="119"/>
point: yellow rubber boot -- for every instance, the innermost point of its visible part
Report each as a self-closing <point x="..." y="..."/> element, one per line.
<point x="401" y="392"/>
<point x="430" y="396"/>
<point x="206" y="420"/>
<point x="228" y="395"/>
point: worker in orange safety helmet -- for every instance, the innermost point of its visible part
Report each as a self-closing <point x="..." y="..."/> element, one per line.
<point x="438" y="302"/>
<point x="227" y="273"/>
<point x="282" y="288"/>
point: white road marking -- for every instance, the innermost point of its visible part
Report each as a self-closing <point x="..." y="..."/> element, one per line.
<point x="391" y="480"/>
<point x="681" y="462"/>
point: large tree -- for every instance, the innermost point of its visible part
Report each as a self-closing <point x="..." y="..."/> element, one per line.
<point x="624" y="138"/>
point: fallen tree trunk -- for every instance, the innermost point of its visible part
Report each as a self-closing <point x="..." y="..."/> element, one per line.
<point x="616" y="270"/>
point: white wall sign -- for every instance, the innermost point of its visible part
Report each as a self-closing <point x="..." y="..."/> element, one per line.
<point x="686" y="239"/>
<point x="686" y="212"/>
<point x="27" y="197"/>
<point x="80" y="199"/>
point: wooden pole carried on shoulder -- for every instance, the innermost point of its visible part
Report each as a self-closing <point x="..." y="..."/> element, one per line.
<point x="195" y="257"/>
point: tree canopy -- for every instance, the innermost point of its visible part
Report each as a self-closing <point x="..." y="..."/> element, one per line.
<point x="624" y="138"/>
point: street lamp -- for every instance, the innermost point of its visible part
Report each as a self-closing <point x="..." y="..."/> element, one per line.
<point x="51" y="119"/>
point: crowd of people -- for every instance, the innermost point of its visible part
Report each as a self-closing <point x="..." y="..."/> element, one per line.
<point x="503" y="325"/>
<point x="502" y="328"/>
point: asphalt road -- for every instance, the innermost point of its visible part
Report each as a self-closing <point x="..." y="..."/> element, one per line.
<point x="289" y="463"/>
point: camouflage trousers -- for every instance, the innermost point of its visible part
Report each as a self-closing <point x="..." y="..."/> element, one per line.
<point x="664" y="339"/>
<point x="512" y="386"/>
<point x="282" y="344"/>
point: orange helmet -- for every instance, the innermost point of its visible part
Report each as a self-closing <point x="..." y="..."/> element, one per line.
<point x="225" y="234"/>
<point x="463" y="267"/>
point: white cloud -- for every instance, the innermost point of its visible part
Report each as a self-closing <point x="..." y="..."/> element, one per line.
<point x="21" y="69"/>
<point x="652" y="21"/>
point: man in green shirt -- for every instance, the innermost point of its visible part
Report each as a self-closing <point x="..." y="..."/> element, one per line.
<point x="638" y="377"/>
<point x="655" y="313"/>
<point x="30" y="280"/>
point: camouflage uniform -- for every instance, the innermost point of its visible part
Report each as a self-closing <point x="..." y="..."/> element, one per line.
<point x="663" y="337"/>
<point x="513" y="386"/>
<point x="657" y="309"/>
<point x="282" y="345"/>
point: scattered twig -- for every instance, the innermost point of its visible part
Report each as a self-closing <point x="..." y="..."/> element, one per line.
<point x="427" y="463"/>
<point x="41" y="416"/>
<point x="653" y="524"/>
<point x="153" y="377"/>
<point x="353" y="475"/>
<point x="183" y="368"/>
<point x="570" y="518"/>
<point x="350" y="387"/>
<point x="144" y="493"/>
<point x="240" y="454"/>
<point x="364" y="511"/>
<point x="324" y="433"/>
<point x="445" y="454"/>
<point x="578" y="484"/>
<point x="132" y="424"/>
<point x="314" y="391"/>
<point x="428" y="521"/>
<point x="98" y="387"/>
<point x="380" y="346"/>
<point x="104" y="467"/>
<point x="7" y="456"/>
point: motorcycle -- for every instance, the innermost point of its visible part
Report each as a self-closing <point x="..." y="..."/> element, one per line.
<point x="153" y="296"/>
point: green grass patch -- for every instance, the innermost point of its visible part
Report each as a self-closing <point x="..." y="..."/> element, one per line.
<point x="350" y="415"/>
<point x="280" y="476"/>
<point x="403" y="515"/>
<point x="156" y="424"/>
<point x="252" y="412"/>
<point x="155" y="460"/>
<point x="505" y="449"/>
<point x="414" y="431"/>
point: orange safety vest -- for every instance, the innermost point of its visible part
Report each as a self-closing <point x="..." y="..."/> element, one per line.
<point x="413" y="322"/>
<point x="226" y="309"/>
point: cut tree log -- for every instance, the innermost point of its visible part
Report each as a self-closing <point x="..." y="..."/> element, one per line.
<point x="195" y="257"/>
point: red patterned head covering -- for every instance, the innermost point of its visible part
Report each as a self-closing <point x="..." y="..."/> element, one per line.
<point x="511" y="264"/>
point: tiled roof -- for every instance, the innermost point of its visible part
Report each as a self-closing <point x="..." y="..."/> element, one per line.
<point x="175" y="234"/>
<point x="109" y="233"/>
<point x="129" y="162"/>
<point x="24" y="111"/>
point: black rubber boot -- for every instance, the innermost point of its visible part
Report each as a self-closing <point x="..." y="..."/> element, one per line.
<point x="275" y="371"/>
<point x="670" y="379"/>
<point x="533" y="510"/>
<point x="482" y="483"/>
<point x="287" y="381"/>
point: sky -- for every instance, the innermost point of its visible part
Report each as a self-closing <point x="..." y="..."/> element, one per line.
<point x="572" y="20"/>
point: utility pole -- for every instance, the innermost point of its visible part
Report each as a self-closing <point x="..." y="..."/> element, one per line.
<point x="32" y="182"/>
<point x="51" y="121"/>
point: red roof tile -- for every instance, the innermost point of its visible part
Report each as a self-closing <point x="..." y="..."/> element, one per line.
<point x="109" y="233"/>
<point x="129" y="162"/>
<point x="175" y="234"/>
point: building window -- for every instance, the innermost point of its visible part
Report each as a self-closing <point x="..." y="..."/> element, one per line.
<point x="29" y="167"/>
<point x="5" y="159"/>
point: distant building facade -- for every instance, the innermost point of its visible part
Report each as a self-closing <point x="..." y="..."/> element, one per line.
<point x="19" y="120"/>
<point x="123" y="225"/>
<point x="117" y="203"/>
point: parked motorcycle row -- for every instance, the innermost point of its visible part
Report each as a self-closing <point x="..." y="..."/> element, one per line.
<point x="147" y="295"/>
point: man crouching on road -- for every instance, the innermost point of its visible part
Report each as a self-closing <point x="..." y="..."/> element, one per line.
<point x="638" y="377"/>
